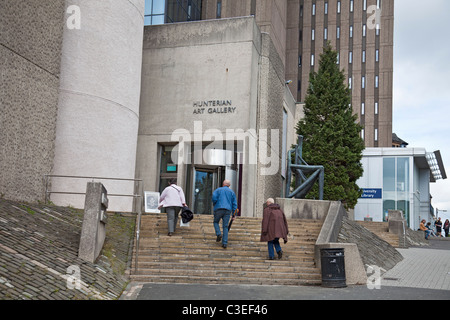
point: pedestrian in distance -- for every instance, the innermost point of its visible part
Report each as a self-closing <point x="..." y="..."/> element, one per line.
<point x="438" y="225"/>
<point x="225" y="203"/>
<point x="274" y="227"/>
<point x="446" y="227"/>
<point x="172" y="199"/>
<point x="424" y="228"/>
<point x="431" y="229"/>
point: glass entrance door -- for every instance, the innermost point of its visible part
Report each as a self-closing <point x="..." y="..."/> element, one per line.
<point x="205" y="181"/>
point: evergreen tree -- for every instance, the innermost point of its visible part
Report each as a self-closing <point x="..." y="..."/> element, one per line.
<point x="331" y="132"/>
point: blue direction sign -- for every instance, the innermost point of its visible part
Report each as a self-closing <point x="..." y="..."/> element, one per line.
<point x="372" y="194"/>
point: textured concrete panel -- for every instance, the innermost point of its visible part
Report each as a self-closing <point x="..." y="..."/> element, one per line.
<point x="30" y="51"/>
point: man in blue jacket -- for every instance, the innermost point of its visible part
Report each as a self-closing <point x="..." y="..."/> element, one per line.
<point x="224" y="201"/>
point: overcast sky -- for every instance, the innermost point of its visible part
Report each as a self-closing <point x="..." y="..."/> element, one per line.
<point x="422" y="83"/>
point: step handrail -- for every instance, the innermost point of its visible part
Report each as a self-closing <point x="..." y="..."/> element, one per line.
<point x="137" y="195"/>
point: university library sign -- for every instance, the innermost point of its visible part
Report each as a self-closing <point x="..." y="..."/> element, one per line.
<point x="214" y="107"/>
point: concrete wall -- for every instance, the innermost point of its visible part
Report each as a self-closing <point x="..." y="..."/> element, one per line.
<point x="30" y="50"/>
<point x="270" y="116"/>
<point x="98" y="112"/>
<point x="304" y="209"/>
<point x="270" y="15"/>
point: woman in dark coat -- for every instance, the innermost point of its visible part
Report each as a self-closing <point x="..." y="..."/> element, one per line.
<point x="274" y="227"/>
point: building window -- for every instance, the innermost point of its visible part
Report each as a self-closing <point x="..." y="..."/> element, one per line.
<point x="325" y="33"/>
<point x="338" y="58"/>
<point x="376" y="134"/>
<point x="284" y="144"/>
<point x="377" y="81"/>
<point x="350" y="57"/>
<point x="376" y="107"/>
<point x="299" y="61"/>
<point x="350" y="82"/>
<point x="351" y="31"/>
<point x="168" y="169"/>
<point x="363" y="108"/>
<point x="219" y="9"/>
<point x="351" y="6"/>
<point x="314" y="9"/>
<point x="363" y="82"/>
<point x="154" y="12"/>
<point x="396" y="185"/>
<point x="364" y="30"/>
<point x="312" y="60"/>
<point x="365" y="5"/>
<point x="326" y="8"/>
<point x="313" y="35"/>
<point x="364" y="56"/>
<point x="338" y="32"/>
<point x="162" y="11"/>
<point x="339" y="7"/>
<point x="377" y="55"/>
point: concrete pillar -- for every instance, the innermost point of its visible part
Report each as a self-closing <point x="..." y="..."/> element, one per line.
<point x="98" y="112"/>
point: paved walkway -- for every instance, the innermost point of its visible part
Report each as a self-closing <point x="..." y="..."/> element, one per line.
<point x="424" y="274"/>
<point x="427" y="268"/>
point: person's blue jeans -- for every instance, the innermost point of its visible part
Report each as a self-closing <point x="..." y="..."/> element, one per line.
<point x="225" y="216"/>
<point x="271" y="244"/>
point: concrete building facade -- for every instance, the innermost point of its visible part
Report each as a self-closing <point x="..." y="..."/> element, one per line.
<point x="362" y="33"/>
<point x="398" y="179"/>
<point x="74" y="104"/>
<point x="70" y="96"/>
<point x="214" y="106"/>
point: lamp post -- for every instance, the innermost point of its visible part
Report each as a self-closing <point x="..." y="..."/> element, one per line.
<point x="437" y="212"/>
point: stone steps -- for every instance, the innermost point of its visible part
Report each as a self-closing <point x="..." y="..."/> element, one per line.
<point x="192" y="254"/>
<point x="381" y="229"/>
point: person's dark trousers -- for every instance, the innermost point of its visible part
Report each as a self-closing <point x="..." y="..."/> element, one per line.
<point x="225" y="215"/>
<point x="271" y="244"/>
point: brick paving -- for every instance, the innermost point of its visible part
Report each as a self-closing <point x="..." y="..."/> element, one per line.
<point x="425" y="268"/>
<point x="39" y="254"/>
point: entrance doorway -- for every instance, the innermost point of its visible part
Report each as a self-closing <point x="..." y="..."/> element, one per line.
<point x="212" y="167"/>
<point x="205" y="181"/>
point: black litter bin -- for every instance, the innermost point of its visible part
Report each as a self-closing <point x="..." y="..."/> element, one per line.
<point x="333" y="268"/>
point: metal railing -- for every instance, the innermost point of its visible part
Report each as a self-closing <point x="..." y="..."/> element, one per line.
<point x="137" y="199"/>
